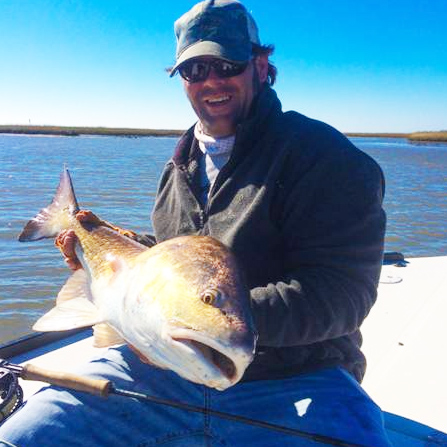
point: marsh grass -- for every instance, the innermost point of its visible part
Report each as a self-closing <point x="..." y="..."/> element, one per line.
<point x="440" y="136"/>
<point x="76" y="131"/>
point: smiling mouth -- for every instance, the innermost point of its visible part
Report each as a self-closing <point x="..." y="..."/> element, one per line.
<point x="218" y="100"/>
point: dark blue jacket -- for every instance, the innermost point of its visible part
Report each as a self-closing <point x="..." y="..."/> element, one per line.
<point x="301" y="207"/>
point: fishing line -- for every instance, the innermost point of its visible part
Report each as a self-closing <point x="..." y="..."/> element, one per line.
<point x="236" y="418"/>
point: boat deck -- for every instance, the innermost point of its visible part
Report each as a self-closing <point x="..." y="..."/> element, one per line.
<point x="405" y="338"/>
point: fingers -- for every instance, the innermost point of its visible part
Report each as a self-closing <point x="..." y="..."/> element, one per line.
<point x="124" y="232"/>
<point x="90" y="219"/>
<point x="66" y="242"/>
<point x="87" y="216"/>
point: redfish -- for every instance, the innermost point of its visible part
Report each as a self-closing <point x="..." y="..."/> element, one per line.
<point x="182" y="304"/>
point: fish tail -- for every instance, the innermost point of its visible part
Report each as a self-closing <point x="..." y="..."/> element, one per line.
<point x="50" y="221"/>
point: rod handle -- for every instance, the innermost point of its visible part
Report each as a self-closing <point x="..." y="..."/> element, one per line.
<point x="98" y="387"/>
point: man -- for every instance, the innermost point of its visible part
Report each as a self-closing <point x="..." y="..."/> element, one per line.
<point x="300" y="206"/>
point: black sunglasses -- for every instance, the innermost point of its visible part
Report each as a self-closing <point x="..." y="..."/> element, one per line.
<point x="197" y="70"/>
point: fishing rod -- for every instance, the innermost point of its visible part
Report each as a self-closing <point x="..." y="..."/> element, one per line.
<point x="104" y="388"/>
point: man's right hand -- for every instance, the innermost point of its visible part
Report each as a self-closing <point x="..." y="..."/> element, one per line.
<point x="66" y="242"/>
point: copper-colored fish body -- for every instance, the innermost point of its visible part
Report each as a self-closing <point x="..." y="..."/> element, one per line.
<point x="181" y="304"/>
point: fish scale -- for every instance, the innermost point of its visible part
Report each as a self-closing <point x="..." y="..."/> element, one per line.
<point x="100" y="245"/>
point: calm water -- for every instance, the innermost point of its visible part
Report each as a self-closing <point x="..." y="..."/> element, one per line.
<point x="117" y="178"/>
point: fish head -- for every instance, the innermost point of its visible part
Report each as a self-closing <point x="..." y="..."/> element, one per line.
<point x="202" y="303"/>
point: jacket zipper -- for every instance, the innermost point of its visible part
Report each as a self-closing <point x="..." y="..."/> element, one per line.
<point x="202" y="210"/>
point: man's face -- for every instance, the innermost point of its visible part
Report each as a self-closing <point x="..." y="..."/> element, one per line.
<point x="222" y="103"/>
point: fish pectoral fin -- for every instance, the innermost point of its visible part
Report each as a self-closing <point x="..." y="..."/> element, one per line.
<point x="104" y="336"/>
<point x="77" y="286"/>
<point x="74" y="307"/>
<point x="70" y="314"/>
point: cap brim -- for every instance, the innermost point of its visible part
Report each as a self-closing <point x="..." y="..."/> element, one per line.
<point x="213" y="49"/>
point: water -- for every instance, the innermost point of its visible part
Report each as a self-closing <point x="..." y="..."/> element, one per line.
<point x="117" y="178"/>
<point x="416" y="194"/>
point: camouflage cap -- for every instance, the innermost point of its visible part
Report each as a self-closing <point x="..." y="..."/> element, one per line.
<point x="217" y="28"/>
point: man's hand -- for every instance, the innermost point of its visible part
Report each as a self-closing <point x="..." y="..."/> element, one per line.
<point x="66" y="240"/>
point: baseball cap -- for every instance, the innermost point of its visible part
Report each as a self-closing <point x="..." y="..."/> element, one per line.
<point x="217" y="28"/>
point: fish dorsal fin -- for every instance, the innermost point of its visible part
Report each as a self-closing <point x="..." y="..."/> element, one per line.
<point x="74" y="308"/>
<point x="104" y="336"/>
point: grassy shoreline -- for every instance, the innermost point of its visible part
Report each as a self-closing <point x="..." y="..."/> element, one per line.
<point x="414" y="137"/>
<point x="77" y="131"/>
<point x="429" y="136"/>
<point x="417" y="137"/>
<point x="440" y="136"/>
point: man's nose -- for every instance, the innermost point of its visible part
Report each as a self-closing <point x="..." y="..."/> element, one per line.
<point x="213" y="76"/>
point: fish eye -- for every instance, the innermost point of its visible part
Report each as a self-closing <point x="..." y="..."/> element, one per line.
<point x="209" y="296"/>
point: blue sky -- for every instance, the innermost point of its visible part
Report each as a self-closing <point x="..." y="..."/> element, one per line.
<point x="360" y="65"/>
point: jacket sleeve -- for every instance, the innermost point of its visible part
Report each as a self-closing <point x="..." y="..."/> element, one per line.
<point x="146" y="239"/>
<point x="332" y="226"/>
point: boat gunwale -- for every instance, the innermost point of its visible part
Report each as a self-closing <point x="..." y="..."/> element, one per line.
<point x="30" y="342"/>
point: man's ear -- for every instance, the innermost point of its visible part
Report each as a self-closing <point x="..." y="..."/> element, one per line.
<point x="262" y="67"/>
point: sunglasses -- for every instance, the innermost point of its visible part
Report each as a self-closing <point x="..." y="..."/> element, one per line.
<point x="199" y="70"/>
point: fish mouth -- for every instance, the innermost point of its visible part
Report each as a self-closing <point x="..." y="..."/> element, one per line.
<point x="222" y="364"/>
<point x="221" y="361"/>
